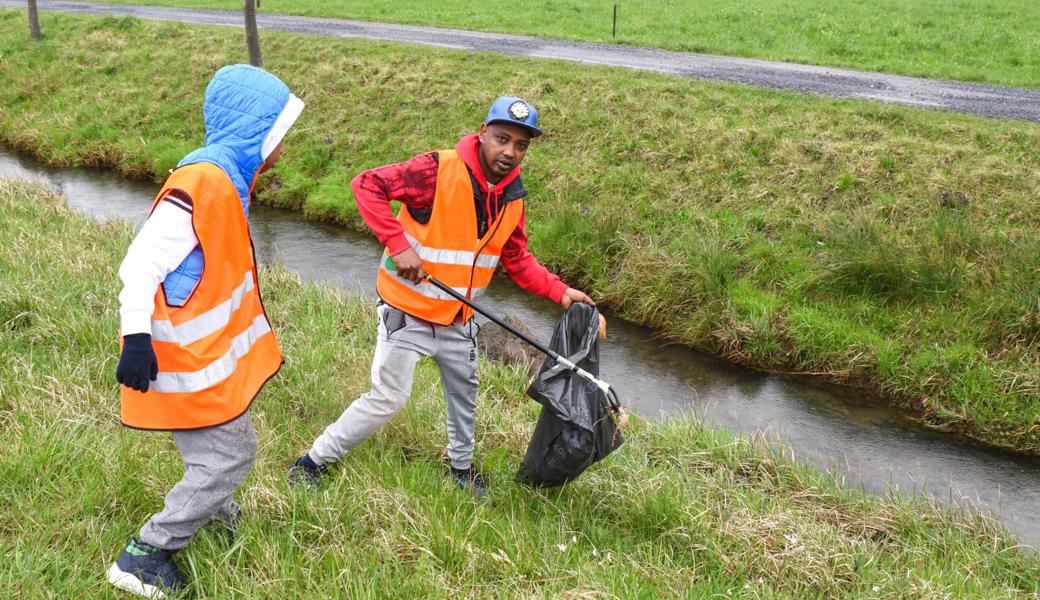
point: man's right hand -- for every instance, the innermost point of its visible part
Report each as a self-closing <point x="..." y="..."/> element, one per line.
<point x="409" y="265"/>
<point x="137" y="364"/>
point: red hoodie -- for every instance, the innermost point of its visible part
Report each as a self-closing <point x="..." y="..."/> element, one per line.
<point x="414" y="183"/>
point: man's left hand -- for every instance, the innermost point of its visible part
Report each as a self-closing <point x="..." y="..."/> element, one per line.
<point x="572" y="295"/>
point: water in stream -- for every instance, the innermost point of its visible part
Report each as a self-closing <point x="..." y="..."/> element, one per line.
<point x="870" y="444"/>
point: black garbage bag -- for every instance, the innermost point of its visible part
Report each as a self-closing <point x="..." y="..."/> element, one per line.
<point x="575" y="428"/>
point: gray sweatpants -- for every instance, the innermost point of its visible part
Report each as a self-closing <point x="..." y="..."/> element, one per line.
<point x="401" y="341"/>
<point x="216" y="462"/>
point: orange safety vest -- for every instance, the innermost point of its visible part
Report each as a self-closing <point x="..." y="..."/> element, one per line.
<point x="218" y="350"/>
<point x="449" y="248"/>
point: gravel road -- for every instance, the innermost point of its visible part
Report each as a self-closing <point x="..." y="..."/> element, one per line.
<point x="985" y="100"/>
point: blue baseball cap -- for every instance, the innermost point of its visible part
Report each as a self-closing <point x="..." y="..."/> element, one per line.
<point x="515" y="111"/>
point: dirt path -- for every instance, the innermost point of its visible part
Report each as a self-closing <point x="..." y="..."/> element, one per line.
<point x="985" y="100"/>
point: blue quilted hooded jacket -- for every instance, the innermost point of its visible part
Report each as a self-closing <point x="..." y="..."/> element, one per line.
<point x="242" y="104"/>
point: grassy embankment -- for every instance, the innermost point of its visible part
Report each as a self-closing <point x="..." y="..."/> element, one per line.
<point x="880" y="245"/>
<point x="993" y="41"/>
<point x="679" y="511"/>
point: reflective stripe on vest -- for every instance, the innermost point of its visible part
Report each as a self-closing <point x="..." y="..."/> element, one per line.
<point x="449" y="247"/>
<point x="431" y="291"/>
<point x="205" y="324"/>
<point x="218" y="370"/>
<point x="451" y="257"/>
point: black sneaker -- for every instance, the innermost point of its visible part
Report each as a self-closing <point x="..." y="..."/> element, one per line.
<point x="307" y="473"/>
<point x="145" y="571"/>
<point x="469" y="480"/>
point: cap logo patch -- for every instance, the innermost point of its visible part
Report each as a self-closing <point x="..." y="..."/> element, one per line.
<point x="519" y="111"/>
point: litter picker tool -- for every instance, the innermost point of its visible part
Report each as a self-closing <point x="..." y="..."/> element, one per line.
<point x="612" y="397"/>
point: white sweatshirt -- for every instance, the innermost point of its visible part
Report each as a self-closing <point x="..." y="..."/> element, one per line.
<point x="163" y="243"/>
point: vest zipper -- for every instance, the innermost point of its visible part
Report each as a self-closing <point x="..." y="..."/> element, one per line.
<point x="472" y="267"/>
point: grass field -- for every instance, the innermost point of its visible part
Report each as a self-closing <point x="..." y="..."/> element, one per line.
<point x="994" y="41"/>
<point x="679" y="511"/>
<point x="880" y="245"/>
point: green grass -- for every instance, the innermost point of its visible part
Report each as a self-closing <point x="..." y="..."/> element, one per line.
<point x="679" y="511"/>
<point x="993" y="41"/>
<point x="885" y="246"/>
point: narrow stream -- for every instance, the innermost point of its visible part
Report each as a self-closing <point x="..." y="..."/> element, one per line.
<point x="869" y="443"/>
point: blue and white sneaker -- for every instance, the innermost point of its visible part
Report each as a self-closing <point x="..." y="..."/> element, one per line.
<point x="145" y="571"/>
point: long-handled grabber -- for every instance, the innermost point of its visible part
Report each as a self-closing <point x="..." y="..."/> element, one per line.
<point x="611" y="395"/>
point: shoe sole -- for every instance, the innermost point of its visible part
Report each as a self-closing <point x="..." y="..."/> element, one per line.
<point x="131" y="583"/>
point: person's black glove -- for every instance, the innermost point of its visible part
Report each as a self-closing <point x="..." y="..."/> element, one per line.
<point x="137" y="365"/>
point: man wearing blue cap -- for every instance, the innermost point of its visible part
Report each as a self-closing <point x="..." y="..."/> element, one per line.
<point x="463" y="213"/>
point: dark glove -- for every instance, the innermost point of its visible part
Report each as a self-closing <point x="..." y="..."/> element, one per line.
<point x="137" y="365"/>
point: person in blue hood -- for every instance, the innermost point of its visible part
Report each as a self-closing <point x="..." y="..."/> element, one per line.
<point x="197" y="344"/>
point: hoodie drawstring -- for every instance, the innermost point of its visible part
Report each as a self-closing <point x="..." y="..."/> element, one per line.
<point x="493" y="200"/>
